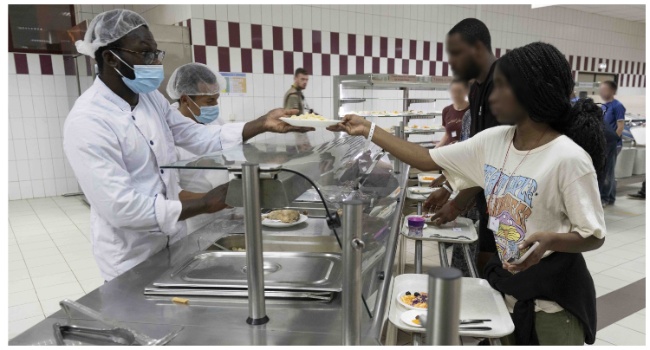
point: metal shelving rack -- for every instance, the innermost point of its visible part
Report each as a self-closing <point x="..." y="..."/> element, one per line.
<point x="404" y="83"/>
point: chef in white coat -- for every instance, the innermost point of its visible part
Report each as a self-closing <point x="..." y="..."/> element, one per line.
<point x="121" y="130"/>
<point x="195" y="88"/>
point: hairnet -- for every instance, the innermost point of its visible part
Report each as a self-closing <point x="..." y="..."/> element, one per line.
<point x="187" y="78"/>
<point x="108" y="27"/>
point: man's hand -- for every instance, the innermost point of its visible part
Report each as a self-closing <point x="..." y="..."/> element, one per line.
<point x="215" y="200"/>
<point x="448" y="213"/>
<point x="436" y="200"/>
<point x="272" y="122"/>
<point x="353" y="125"/>
<point x="545" y="240"/>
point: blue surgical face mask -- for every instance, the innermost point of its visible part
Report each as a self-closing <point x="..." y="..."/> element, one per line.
<point x="208" y="113"/>
<point x="147" y="77"/>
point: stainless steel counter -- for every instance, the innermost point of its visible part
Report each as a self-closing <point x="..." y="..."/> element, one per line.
<point x="220" y="321"/>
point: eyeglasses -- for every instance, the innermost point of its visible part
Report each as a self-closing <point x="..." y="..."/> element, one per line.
<point x="149" y="56"/>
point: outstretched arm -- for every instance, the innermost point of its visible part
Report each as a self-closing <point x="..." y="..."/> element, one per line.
<point x="410" y="153"/>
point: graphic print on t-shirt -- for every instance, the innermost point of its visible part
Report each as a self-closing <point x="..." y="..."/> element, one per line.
<point x="511" y="202"/>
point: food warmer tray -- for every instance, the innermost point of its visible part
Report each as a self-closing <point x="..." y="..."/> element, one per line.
<point x="283" y="271"/>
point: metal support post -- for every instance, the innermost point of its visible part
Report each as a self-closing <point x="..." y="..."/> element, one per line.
<point x="443" y="313"/>
<point x="352" y="251"/>
<point x="254" y="257"/>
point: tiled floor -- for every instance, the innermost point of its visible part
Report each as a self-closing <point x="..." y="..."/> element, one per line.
<point x="50" y="259"/>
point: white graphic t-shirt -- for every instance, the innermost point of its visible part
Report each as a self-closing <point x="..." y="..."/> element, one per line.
<point x="554" y="189"/>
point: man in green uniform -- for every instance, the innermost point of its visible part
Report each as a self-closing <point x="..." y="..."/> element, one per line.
<point x="294" y="96"/>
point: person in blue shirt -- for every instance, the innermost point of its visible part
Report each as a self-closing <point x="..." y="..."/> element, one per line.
<point x="614" y="123"/>
<point x="574" y="98"/>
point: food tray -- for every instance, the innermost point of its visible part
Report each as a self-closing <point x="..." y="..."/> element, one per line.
<point x="460" y="227"/>
<point x="477" y="301"/>
<point x="282" y="271"/>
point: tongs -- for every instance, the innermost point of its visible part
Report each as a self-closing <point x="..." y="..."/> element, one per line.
<point x="117" y="335"/>
<point x="114" y="336"/>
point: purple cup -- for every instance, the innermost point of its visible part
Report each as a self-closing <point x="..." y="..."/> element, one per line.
<point x="415" y="224"/>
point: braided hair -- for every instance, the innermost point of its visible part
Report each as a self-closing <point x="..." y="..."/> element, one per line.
<point x="541" y="79"/>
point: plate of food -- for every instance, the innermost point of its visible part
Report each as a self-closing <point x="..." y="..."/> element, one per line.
<point x="422" y="190"/>
<point x="283" y="218"/>
<point x="309" y="121"/>
<point x="412" y="299"/>
<point x="427" y="178"/>
<point x="412" y="317"/>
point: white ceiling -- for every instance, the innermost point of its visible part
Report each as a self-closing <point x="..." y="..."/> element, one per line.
<point x="634" y="13"/>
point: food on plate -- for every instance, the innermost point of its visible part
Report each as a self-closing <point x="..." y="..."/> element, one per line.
<point x="414" y="126"/>
<point x="417" y="299"/>
<point x="428" y="178"/>
<point x="416" y="320"/>
<point x="426" y="127"/>
<point x="309" y="117"/>
<point x="285" y="216"/>
<point x="238" y="249"/>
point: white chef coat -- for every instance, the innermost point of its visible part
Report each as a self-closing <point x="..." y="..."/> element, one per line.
<point x="201" y="181"/>
<point x="116" y="154"/>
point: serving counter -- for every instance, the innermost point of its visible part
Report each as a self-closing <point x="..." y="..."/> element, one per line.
<point x="304" y="300"/>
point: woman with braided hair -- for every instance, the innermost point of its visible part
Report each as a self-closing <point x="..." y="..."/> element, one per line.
<point x="539" y="179"/>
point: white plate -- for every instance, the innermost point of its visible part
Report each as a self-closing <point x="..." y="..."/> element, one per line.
<point x="422" y="176"/>
<point x="279" y="224"/>
<point x="399" y="300"/>
<point x="310" y="123"/>
<point x="408" y="316"/>
<point x="422" y="190"/>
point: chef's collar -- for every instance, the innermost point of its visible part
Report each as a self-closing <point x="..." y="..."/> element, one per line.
<point x="106" y="92"/>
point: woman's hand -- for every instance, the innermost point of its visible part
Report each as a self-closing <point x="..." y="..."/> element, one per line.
<point x="545" y="240"/>
<point x="448" y="213"/>
<point x="436" y="200"/>
<point x="353" y="125"/>
<point x="438" y="181"/>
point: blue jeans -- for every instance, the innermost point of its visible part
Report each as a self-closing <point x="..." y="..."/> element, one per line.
<point x="607" y="178"/>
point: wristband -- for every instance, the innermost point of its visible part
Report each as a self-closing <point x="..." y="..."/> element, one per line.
<point x="446" y="187"/>
<point x="371" y="132"/>
<point x="369" y="138"/>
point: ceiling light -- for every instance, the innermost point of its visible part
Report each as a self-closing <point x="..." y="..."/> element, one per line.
<point x="602" y="66"/>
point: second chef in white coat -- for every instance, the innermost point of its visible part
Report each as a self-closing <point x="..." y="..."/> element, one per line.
<point x="195" y="88"/>
<point x="121" y="130"/>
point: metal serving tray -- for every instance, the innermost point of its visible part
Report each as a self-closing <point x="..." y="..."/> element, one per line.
<point x="282" y="270"/>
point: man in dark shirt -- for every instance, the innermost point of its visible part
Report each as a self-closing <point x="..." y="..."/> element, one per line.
<point x="469" y="49"/>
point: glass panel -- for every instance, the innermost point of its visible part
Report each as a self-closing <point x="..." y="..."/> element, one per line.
<point x="342" y="167"/>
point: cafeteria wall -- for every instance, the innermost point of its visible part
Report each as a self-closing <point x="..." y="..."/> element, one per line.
<point x="267" y="42"/>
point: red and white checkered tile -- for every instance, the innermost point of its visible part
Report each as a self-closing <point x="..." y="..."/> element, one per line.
<point x="257" y="48"/>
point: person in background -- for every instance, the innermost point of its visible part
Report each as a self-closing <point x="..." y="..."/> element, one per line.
<point x="294" y="98"/>
<point x="195" y="89"/>
<point x="469" y="48"/>
<point x="614" y="120"/>
<point x="640" y="194"/>
<point x="574" y="98"/>
<point x="538" y="172"/>
<point x="452" y="115"/>
<point x="122" y="130"/>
